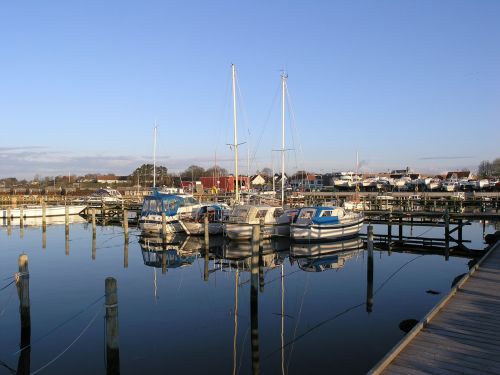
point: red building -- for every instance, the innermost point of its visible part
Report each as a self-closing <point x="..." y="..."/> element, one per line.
<point x="225" y="183"/>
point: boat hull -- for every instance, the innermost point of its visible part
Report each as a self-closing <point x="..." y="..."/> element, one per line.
<point x="324" y="232"/>
<point x="37" y="211"/>
<point x="193" y="228"/>
<point x="153" y="225"/>
<point x="237" y="231"/>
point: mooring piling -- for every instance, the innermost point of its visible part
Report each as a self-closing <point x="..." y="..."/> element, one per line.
<point x="22" y="284"/>
<point x="369" y="271"/>
<point x="254" y="300"/>
<point x="163" y="224"/>
<point x="112" y="333"/>
<point x="207" y="233"/>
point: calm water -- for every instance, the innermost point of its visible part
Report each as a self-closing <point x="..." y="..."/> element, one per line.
<point x="174" y="320"/>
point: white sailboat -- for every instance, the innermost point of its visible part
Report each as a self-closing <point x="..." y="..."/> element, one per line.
<point x="274" y="221"/>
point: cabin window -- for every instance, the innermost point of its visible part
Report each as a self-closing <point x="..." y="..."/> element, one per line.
<point x="261" y="214"/>
<point x="306" y="214"/>
<point x="326" y="213"/>
<point x="278" y="212"/>
<point x="169" y="205"/>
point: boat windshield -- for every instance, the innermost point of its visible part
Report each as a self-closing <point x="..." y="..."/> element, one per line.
<point x="152" y="206"/>
<point x="188" y="201"/>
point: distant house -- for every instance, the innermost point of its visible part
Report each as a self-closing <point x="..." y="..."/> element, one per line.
<point x="107" y="179"/>
<point x="257" y="180"/>
<point x="225" y="183"/>
<point x="458" y="175"/>
<point x="314" y="181"/>
<point x="277" y="178"/>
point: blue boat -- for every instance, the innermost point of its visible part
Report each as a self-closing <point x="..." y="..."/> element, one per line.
<point x="172" y="205"/>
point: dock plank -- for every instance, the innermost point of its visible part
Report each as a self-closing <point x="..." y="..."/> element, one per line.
<point x="461" y="335"/>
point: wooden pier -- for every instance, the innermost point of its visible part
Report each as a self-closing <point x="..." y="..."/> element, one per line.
<point x="461" y="335"/>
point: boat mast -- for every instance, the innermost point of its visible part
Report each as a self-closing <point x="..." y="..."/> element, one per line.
<point x="154" y="157"/>
<point x="274" y="181"/>
<point x="284" y="76"/>
<point x="237" y="191"/>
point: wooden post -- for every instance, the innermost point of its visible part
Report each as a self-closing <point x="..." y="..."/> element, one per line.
<point x="369" y="271"/>
<point x="66" y="241"/>
<point x="206" y="231"/>
<point x="401" y="229"/>
<point x="163" y="224"/>
<point x="9" y="216"/>
<point x="447" y="234"/>
<point x="44" y="214"/>
<point x="254" y="300"/>
<point x="23" y="291"/>
<point x="206" y="263"/>
<point x="164" y="262"/>
<point x="389" y="226"/>
<point x="66" y="229"/>
<point x="93" y="245"/>
<point x="460" y="227"/>
<point x="125" y="253"/>
<point x="93" y="235"/>
<point x="21" y="216"/>
<point x="44" y="236"/>
<point x="125" y="225"/>
<point x="112" y="342"/>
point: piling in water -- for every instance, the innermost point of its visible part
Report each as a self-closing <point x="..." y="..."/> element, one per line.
<point x="22" y="284"/>
<point x="112" y="342"/>
<point x="369" y="270"/>
<point x="254" y="300"/>
<point x="207" y="234"/>
<point x="163" y="224"/>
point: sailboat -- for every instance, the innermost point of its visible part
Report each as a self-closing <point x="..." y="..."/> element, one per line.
<point x="160" y="205"/>
<point x="274" y="221"/>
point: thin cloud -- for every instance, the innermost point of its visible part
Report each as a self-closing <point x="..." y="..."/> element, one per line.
<point x="446" y="157"/>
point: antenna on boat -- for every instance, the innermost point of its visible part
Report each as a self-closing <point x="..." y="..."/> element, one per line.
<point x="235" y="144"/>
<point x="284" y="76"/>
<point x="154" y="156"/>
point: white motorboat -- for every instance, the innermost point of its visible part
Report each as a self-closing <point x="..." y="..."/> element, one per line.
<point x="103" y="196"/>
<point x="172" y="205"/>
<point x="273" y="221"/>
<point x="450" y="185"/>
<point x="325" y="223"/>
<point x="194" y="223"/>
<point x="30" y="211"/>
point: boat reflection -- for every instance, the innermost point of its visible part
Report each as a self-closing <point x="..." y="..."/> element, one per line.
<point x="319" y="257"/>
<point x="237" y="254"/>
<point x="173" y="251"/>
<point x="37" y="221"/>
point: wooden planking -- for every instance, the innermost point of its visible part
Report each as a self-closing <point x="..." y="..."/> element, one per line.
<point x="461" y="335"/>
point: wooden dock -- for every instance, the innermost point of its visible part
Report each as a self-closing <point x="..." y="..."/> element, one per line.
<point x="461" y="335"/>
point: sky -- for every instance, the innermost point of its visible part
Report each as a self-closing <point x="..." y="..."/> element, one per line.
<point x="402" y="83"/>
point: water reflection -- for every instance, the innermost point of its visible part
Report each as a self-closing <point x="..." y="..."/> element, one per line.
<point x="169" y="252"/>
<point x="319" y="257"/>
<point x="297" y="320"/>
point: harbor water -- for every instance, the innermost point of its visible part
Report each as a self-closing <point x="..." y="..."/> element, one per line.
<point x="305" y="307"/>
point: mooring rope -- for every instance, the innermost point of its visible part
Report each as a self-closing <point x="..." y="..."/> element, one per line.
<point x="59" y="326"/>
<point x="70" y="345"/>
<point x="344" y="311"/>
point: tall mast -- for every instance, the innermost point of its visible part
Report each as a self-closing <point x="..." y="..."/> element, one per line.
<point x="284" y="76"/>
<point x="274" y="182"/>
<point x="154" y="157"/>
<point x="237" y="191"/>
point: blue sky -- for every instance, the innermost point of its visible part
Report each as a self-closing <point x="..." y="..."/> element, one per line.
<point x="404" y="83"/>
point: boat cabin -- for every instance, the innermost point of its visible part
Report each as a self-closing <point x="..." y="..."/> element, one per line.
<point x="159" y="203"/>
<point x="319" y="215"/>
<point x="250" y="214"/>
